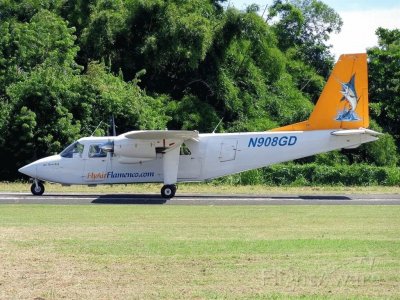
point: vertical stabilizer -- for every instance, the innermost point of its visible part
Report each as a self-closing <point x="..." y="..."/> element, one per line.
<point x="343" y="103"/>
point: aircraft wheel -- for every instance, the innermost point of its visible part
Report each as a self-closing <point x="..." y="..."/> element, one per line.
<point x="168" y="191"/>
<point x="38" y="189"/>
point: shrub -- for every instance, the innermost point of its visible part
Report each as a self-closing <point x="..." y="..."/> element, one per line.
<point x="314" y="174"/>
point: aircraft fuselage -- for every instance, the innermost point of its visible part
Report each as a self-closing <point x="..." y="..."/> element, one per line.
<point x="209" y="156"/>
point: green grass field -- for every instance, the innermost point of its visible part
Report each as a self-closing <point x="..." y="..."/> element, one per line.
<point x="197" y="252"/>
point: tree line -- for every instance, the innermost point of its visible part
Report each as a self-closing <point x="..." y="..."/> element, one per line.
<point x="66" y="66"/>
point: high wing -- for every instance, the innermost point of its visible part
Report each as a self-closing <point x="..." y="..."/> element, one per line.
<point x="162" y="134"/>
<point x="138" y="146"/>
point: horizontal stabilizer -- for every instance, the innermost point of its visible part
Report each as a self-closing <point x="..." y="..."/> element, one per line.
<point x="356" y="132"/>
<point x="162" y="134"/>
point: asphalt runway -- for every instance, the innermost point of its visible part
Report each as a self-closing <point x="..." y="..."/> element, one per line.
<point x="187" y="199"/>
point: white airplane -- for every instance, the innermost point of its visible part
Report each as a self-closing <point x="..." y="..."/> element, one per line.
<point x="339" y="120"/>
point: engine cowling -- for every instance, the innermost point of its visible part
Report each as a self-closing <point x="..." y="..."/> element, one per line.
<point x="132" y="148"/>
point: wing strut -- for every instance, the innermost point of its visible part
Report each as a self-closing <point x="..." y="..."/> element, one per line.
<point x="170" y="170"/>
<point x="171" y="165"/>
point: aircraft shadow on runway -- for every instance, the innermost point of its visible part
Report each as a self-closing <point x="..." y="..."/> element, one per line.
<point x="267" y="197"/>
<point x="129" y="199"/>
<point x="325" y="197"/>
<point x="157" y="200"/>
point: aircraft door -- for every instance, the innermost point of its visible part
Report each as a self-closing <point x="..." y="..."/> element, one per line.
<point x="228" y="150"/>
<point x="189" y="164"/>
<point x="95" y="164"/>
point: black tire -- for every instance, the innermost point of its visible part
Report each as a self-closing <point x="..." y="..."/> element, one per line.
<point x="168" y="191"/>
<point x="39" y="190"/>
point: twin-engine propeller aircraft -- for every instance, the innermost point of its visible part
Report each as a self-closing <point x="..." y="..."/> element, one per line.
<point x="339" y="120"/>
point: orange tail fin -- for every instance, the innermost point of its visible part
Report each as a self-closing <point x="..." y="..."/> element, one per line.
<point x="343" y="103"/>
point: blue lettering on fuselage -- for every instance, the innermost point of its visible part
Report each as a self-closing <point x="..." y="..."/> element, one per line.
<point x="272" y="141"/>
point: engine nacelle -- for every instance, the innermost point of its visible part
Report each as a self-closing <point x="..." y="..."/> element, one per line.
<point x="132" y="148"/>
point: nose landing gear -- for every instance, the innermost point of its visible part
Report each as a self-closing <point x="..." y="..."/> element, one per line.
<point x="168" y="191"/>
<point x="37" y="188"/>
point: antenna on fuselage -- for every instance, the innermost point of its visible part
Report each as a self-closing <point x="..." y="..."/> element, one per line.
<point x="96" y="128"/>
<point x="220" y="121"/>
<point x="111" y="128"/>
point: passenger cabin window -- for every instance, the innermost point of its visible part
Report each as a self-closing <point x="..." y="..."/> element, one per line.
<point x="96" y="151"/>
<point x="185" y="150"/>
<point x="73" y="150"/>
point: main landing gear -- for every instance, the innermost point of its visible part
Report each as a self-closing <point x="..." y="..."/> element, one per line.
<point x="37" y="187"/>
<point x="168" y="191"/>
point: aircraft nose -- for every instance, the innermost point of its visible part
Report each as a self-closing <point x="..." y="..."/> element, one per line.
<point x="30" y="170"/>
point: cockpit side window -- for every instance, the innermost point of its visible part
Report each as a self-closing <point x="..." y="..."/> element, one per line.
<point x="96" y="151"/>
<point x="73" y="150"/>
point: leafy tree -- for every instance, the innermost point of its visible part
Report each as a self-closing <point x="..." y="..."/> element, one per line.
<point x="384" y="81"/>
<point x="23" y="11"/>
<point x="105" y="94"/>
<point x="77" y="13"/>
<point x="305" y="77"/>
<point x="5" y="109"/>
<point x="19" y="144"/>
<point x="306" y="25"/>
<point x="46" y="39"/>
<point x="290" y="25"/>
<point x="249" y="64"/>
<point x="105" y="22"/>
<point x="37" y="71"/>
<point x="46" y="93"/>
<point x="190" y="49"/>
<point x="192" y="114"/>
<point x="166" y="38"/>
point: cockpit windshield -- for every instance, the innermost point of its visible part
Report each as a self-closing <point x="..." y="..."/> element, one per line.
<point x="73" y="150"/>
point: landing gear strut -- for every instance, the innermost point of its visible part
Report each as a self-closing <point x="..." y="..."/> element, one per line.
<point x="37" y="188"/>
<point x="168" y="191"/>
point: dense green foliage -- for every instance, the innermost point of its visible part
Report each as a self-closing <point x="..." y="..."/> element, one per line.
<point x="317" y="174"/>
<point x="384" y="78"/>
<point x="67" y="65"/>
